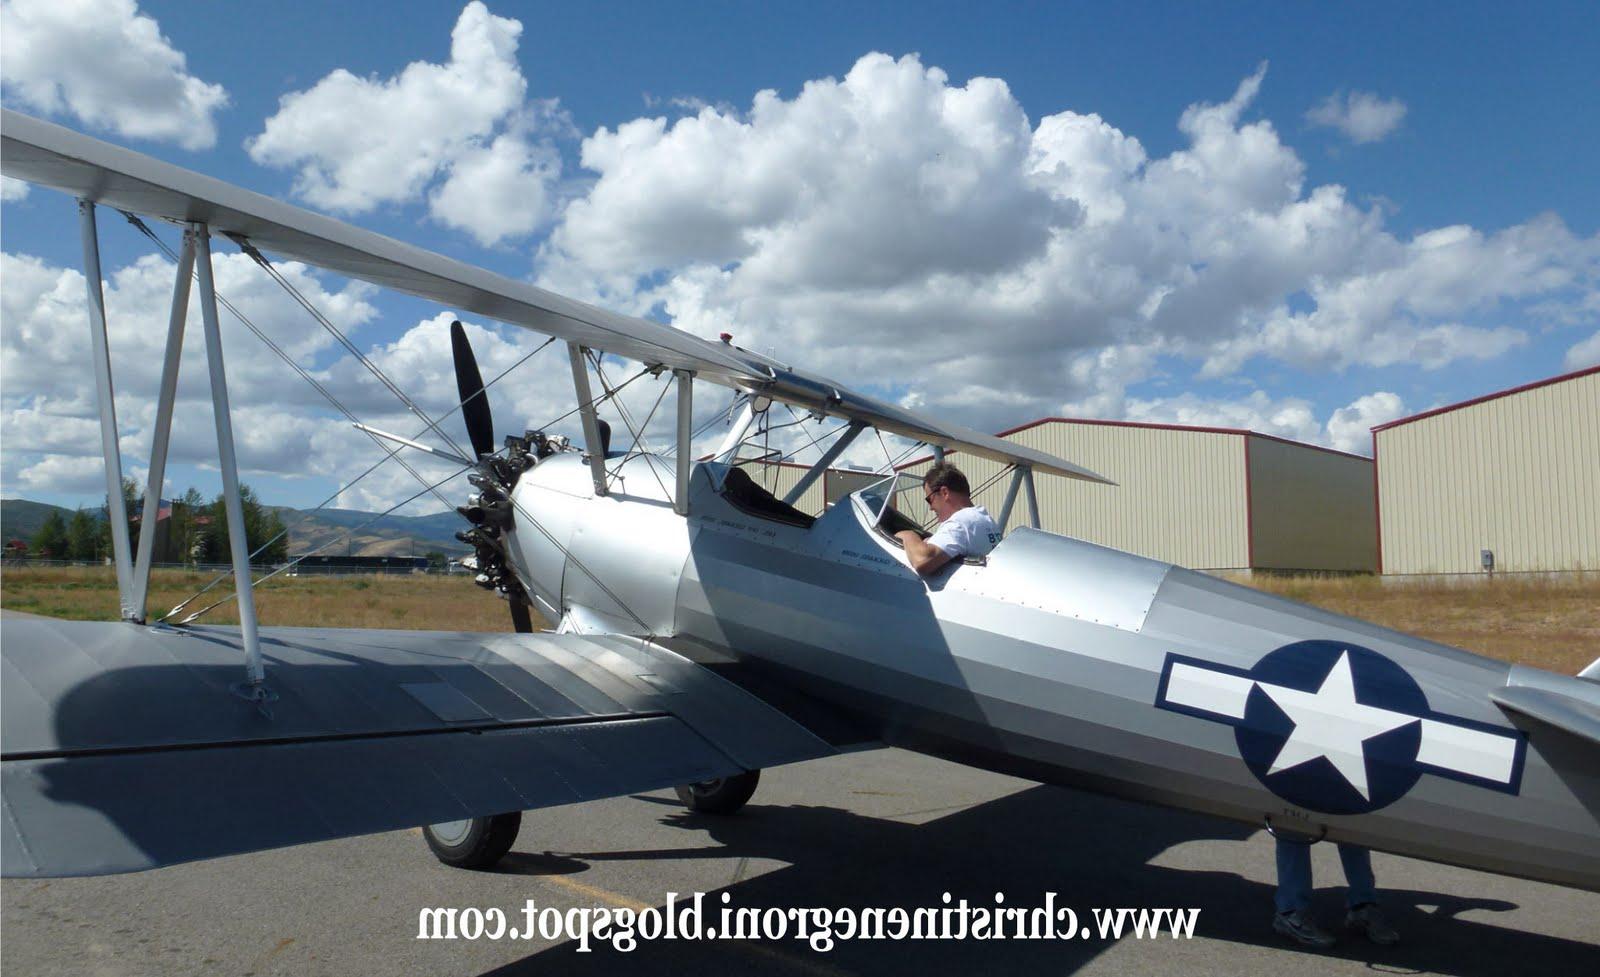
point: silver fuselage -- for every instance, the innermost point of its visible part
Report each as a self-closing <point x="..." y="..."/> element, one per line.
<point x="1046" y="661"/>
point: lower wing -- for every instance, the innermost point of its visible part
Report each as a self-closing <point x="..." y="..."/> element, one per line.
<point x="127" y="748"/>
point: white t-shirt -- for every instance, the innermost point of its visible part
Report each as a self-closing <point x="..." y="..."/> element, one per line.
<point x="968" y="532"/>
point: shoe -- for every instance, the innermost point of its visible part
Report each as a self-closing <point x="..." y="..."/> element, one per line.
<point x="1296" y="926"/>
<point x="1368" y="919"/>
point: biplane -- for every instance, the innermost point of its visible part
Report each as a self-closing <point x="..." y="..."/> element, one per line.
<point x="708" y="629"/>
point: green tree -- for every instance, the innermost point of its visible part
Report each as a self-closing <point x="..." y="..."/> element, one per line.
<point x="436" y="561"/>
<point x="260" y="525"/>
<point x="83" y="537"/>
<point x="51" y="539"/>
<point x="277" y="550"/>
<point x="185" y="531"/>
<point x="213" y="543"/>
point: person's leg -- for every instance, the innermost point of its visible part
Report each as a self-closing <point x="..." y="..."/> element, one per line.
<point x="1361" y="888"/>
<point x="1293" y="897"/>
<point x="1362" y="897"/>
<point x="1294" y="876"/>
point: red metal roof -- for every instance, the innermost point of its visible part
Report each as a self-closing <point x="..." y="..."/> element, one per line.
<point x="1435" y="412"/>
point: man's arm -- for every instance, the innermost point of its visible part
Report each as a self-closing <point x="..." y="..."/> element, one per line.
<point x="924" y="556"/>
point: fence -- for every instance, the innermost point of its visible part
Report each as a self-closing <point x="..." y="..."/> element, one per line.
<point x="302" y="570"/>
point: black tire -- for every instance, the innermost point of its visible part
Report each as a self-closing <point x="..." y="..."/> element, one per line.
<point x="722" y="796"/>
<point x="476" y="843"/>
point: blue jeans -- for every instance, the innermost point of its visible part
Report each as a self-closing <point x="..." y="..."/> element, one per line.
<point x="1294" y="876"/>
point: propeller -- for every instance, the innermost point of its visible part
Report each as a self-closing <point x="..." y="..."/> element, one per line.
<point x="488" y="509"/>
<point x="469" y="384"/>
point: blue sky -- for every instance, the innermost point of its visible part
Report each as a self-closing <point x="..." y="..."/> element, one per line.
<point x="989" y="250"/>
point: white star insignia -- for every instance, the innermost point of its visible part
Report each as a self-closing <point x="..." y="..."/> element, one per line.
<point x="1330" y="723"/>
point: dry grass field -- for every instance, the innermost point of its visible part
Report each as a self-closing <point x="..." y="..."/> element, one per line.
<point x="1553" y="624"/>
<point x="418" y="601"/>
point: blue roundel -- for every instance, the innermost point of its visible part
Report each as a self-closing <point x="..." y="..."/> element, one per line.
<point x="1378" y="771"/>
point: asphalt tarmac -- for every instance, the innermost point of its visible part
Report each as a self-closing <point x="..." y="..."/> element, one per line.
<point x="885" y="828"/>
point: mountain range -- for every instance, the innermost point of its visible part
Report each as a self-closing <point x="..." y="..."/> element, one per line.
<point x="308" y="529"/>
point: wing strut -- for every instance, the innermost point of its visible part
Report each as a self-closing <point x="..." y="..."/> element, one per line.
<point x="133" y="582"/>
<point x="1033" y="497"/>
<point x="729" y="449"/>
<point x="685" y="454"/>
<point x="828" y="457"/>
<point x="238" y="544"/>
<point x="595" y="451"/>
<point x="156" y="480"/>
<point x="1011" y="497"/>
<point x="1021" y="478"/>
<point x="116" y="508"/>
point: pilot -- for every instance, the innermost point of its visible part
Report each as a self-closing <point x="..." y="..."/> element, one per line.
<point x="964" y="529"/>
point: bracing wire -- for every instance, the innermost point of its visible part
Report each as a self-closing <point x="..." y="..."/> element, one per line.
<point x="309" y="553"/>
<point x="343" y="340"/>
<point x="390" y="452"/>
<point x="627" y="419"/>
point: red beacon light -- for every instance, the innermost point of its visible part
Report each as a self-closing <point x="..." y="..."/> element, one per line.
<point x="726" y="337"/>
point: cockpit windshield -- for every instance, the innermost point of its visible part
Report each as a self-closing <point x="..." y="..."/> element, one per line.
<point x="749" y="496"/>
<point x="888" y="502"/>
<point x="883" y="494"/>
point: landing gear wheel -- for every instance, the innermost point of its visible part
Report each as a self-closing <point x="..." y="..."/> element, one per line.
<point x="475" y="842"/>
<point x="721" y="796"/>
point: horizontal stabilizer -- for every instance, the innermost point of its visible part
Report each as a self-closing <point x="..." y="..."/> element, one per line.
<point x="126" y="748"/>
<point x="1577" y="713"/>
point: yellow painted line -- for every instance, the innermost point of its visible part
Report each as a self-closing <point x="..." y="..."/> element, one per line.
<point x="744" y="946"/>
<point x="598" y="894"/>
<point x="283" y="944"/>
<point x="262" y="959"/>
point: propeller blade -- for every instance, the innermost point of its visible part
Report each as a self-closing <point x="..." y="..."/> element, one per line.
<point x="521" y="620"/>
<point x="469" y="384"/>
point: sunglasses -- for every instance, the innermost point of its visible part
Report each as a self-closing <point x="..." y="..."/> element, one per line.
<point x="929" y="497"/>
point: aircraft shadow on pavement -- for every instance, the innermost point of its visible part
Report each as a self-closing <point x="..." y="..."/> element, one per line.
<point x="1091" y="850"/>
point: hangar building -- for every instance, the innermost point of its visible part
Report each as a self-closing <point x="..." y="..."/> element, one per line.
<point x="1201" y="497"/>
<point x="1512" y="477"/>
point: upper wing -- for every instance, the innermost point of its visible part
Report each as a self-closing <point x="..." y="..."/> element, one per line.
<point x="52" y="156"/>
<point x="125" y="748"/>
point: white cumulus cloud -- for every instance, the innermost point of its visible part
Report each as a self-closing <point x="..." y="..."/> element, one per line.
<point x="1347" y="428"/>
<point x="1350" y="427"/>
<point x="47" y="398"/>
<point x="72" y="474"/>
<point x="107" y="64"/>
<point x="464" y="121"/>
<point x="1585" y="353"/>
<point x="12" y="189"/>
<point x="1288" y="417"/>
<point x="895" y="227"/>
<point x="505" y="189"/>
<point x="1362" y="116"/>
<point x="49" y="422"/>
